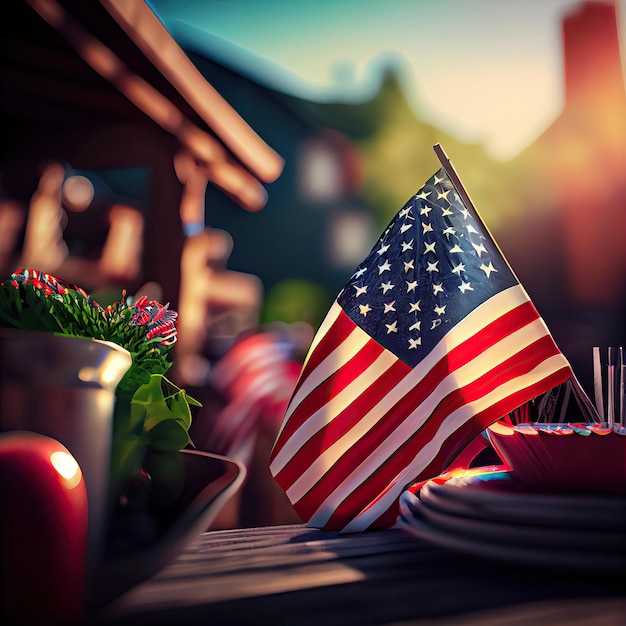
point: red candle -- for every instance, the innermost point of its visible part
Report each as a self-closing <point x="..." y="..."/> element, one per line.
<point x="43" y="530"/>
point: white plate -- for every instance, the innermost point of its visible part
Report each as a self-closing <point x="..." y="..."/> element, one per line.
<point x="534" y="536"/>
<point x="584" y="557"/>
<point x="495" y="497"/>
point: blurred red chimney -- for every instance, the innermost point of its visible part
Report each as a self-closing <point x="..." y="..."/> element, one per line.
<point x="590" y="154"/>
<point x="593" y="69"/>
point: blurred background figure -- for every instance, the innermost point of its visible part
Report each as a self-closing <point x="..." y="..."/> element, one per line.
<point x="244" y="402"/>
<point x="43" y="241"/>
<point x="91" y="239"/>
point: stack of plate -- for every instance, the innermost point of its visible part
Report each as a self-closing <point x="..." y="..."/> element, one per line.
<point x="489" y="514"/>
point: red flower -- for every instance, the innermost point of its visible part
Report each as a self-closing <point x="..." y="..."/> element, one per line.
<point x="160" y="321"/>
<point x="47" y="283"/>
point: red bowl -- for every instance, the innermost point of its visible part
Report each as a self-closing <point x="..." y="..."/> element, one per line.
<point x="576" y="458"/>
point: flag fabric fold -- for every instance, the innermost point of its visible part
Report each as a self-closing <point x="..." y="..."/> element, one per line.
<point x="432" y="339"/>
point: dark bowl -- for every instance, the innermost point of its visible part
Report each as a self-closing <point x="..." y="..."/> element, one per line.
<point x="210" y="480"/>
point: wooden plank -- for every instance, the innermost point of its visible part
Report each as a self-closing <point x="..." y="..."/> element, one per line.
<point x="296" y="575"/>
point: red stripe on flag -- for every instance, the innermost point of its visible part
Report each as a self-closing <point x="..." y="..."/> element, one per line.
<point x="389" y="517"/>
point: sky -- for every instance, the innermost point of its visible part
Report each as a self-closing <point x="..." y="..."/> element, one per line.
<point x="486" y="71"/>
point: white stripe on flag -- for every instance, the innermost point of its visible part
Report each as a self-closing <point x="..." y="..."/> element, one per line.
<point x="329" y="320"/>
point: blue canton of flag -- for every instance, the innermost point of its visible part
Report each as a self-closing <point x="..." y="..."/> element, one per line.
<point x="433" y="265"/>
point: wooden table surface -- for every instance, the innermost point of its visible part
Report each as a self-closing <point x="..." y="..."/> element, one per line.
<point x="293" y="575"/>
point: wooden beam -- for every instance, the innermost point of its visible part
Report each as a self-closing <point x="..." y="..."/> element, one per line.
<point x="145" y="29"/>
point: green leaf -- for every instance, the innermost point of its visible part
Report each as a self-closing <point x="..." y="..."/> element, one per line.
<point x="167" y="470"/>
<point x="153" y="404"/>
<point x="169" y="435"/>
<point x="127" y="459"/>
<point x="154" y="419"/>
<point x="26" y="308"/>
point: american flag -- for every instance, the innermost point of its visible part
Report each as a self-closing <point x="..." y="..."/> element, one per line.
<point x="432" y="339"/>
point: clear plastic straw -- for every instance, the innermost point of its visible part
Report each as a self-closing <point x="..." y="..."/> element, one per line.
<point x="597" y="382"/>
<point x="622" y="391"/>
<point x="610" y="388"/>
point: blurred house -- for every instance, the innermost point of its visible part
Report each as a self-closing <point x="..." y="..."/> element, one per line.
<point x="333" y="198"/>
<point x="103" y="91"/>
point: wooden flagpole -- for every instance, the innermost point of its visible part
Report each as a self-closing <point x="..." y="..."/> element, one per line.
<point x="458" y="185"/>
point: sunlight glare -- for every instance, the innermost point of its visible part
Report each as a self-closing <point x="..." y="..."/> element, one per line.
<point x="67" y="467"/>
